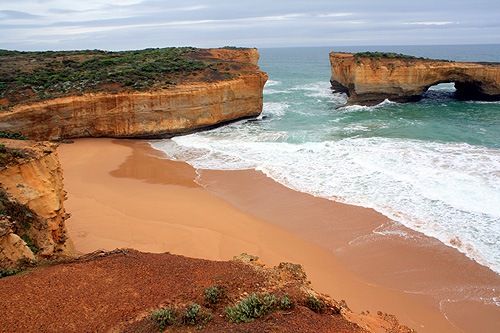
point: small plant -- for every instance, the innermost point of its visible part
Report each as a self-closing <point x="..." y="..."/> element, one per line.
<point x="8" y="272"/>
<point x="315" y="304"/>
<point x="29" y="243"/>
<point x="286" y="303"/>
<point x="2" y="148"/>
<point x="192" y="315"/>
<point x="165" y="317"/>
<point x="15" y="135"/>
<point x="213" y="295"/>
<point x="17" y="153"/>
<point x="252" y="307"/>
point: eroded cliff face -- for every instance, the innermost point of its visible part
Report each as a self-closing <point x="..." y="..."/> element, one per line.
<point x="250" y="56"/>
<point x="178" y="109"/>
<point x="371" y="81"/>
<point x="33" y="217"/>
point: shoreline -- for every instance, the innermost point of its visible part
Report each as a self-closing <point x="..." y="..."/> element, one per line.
<point x="133" y="198"/>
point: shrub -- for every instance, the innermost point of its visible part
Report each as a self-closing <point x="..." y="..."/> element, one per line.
<point x="256" y="306"/>
<point x="315" y="304"/>
<point x="192" y="315"/>
<point x="286" y="303"/>
<point x="165" y="317"/>
<point x="15" y="135"/>
<point x="86" y="71"/>
<point x="213" y="295"/>
<point x="8" y="272"/>
<point x="2" y="148"/>
<point x="17" y="153"/>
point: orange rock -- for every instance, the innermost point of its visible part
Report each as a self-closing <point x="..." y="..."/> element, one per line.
<point x="371" y="81"/>
<point x="36" y="182"/>
<point x="183" y="109"/>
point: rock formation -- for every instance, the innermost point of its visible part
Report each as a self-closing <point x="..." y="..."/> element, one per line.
<point x="32" y="223"/>
<point x="159" y="112"/>
<point x="369" y="79"/>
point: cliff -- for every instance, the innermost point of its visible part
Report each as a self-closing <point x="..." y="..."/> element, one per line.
<point x="227" y="89"/>
<point x="370" y="78"/>
<point x="32" y="211"/>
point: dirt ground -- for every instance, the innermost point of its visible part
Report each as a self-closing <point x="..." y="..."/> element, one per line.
<point x="118" y="291"/>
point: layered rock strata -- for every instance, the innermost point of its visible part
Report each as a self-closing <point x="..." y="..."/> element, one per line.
<point x="179" y="109"/>
<point x="32" y="223"/>
<point x="371" y="80"/>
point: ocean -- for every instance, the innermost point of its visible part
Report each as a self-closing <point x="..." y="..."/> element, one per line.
<point x="433" y="166"/>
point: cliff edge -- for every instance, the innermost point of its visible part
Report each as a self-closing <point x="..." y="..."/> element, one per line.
<point x="129" y="291"/>
<point x="32" y="214"/>
<point x="370" y="78"/>
<point x="146" y="94"/>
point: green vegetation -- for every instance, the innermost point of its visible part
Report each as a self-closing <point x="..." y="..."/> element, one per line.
<point x="233" y="48"/>
<point x="25" y="75"/>
<point x="17" y="153"/>
<point x="256" y="306"/>
<point x="213" y="295"/>
<point x="29" y="243"/>
<point x="192" y="315"/>
<point x="375" y="56"/>
<point x="384" y="55"/>
<point x="15" y="135"/>
<point x="23" y="216"/>
<point x="165" y="317"/>
<point x="8" y="272"/>
<point x="286" y="303"/>
<point x="315" y="304"/>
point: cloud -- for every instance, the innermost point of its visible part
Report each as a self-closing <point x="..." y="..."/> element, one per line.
<point x="126" y="24"/>
<point x="335" y="14"/>
<point x="14" y="14"/>
<point x="431" y="23"/>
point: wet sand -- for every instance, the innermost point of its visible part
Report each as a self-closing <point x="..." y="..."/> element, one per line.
<point x="122" y="194"/>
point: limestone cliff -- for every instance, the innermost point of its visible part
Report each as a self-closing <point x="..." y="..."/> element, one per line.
<point x="212" y="97"/>
<point x="250" y="56"/>
<point x="32" y="212"/>
<point x="370" y="79"/>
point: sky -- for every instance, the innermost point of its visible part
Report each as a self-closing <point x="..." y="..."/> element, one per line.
<point x="137" y="24"/>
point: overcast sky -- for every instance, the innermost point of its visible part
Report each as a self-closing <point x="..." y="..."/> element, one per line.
<point x="137" y="24"/>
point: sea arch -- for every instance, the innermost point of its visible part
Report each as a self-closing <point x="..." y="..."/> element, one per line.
<point x="370" y="78"/>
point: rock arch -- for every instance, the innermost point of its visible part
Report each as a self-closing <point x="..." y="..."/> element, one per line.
<point x="370" y="78"/>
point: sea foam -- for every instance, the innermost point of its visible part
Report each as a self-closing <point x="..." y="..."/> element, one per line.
<point x="448" y="191"/>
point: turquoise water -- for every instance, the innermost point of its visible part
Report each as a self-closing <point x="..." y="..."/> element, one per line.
<point x="434" y="165"/>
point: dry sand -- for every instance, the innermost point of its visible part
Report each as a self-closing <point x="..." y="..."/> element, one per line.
<point x="121" y="194"/>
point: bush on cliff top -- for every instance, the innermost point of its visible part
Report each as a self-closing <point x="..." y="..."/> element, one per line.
<point x="43" y="74"/>
<point x="389" y="55"/>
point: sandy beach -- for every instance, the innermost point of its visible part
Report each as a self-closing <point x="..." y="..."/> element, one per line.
<point x="121" y="193"/>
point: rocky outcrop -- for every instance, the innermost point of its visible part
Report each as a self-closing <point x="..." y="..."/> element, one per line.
<point x="369" y="80"/>
<point x="32" y="210"/>
<point x="289" y="274"/>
